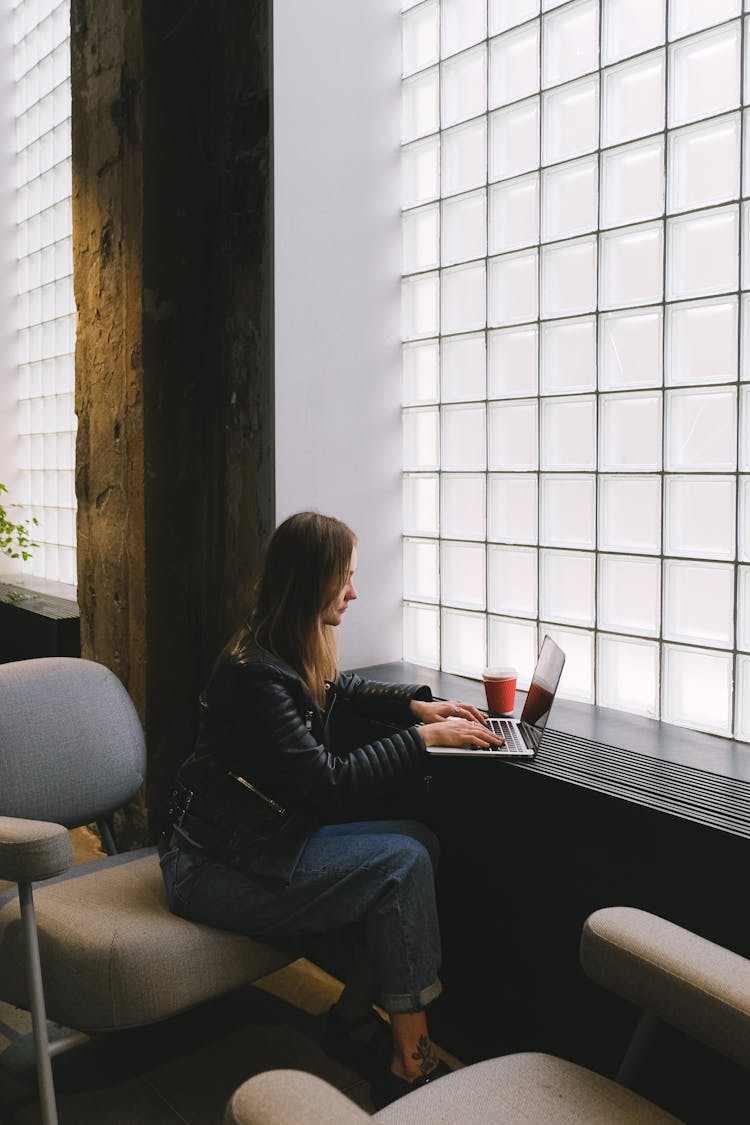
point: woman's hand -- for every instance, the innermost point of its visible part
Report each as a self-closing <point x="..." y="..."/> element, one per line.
<point x="460" y="733"/>
<point x="443" y="709"/>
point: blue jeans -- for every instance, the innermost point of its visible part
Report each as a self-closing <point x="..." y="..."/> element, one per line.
<point x="377" y="874"/>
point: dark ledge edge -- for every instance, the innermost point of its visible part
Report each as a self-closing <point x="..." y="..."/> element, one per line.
<point x="699" y="777"/>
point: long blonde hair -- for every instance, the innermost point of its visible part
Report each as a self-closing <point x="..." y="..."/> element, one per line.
<point x="306" y="566"/>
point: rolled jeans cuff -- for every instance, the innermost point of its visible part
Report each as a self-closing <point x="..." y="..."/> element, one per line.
<point x="395" y="1004"/>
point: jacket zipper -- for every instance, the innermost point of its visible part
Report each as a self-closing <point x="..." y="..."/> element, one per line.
<point x="253" y="789"/>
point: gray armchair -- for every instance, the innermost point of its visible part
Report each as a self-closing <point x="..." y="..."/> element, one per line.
<point x="94" y="947"/>
<point x="675" y="976"/>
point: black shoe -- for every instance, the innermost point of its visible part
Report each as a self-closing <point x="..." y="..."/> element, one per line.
<point x="389" y="1087"/>
<point x="369" y="1056"/>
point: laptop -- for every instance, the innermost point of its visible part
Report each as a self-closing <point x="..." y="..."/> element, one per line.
<point x="523" y="736"/>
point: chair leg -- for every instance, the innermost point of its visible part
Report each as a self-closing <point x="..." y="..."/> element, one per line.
<point x="38" y="1013"/>
<point x="639" y="1043"/>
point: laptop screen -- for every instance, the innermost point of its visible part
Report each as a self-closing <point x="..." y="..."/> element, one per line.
<point x="542" y="690"/>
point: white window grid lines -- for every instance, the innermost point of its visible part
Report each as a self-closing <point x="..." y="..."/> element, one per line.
<point x="45" y="306"/>
<point x="666" y="391"/>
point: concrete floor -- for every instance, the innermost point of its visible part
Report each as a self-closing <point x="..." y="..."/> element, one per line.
<point x="183" y="1070"/>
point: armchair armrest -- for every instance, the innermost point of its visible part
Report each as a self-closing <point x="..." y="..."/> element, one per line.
<point x="685" y="980"/>
<point x="33" y="849"/>
<point x="277" y="1097"/>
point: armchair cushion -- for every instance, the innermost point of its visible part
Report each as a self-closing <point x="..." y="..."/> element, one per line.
<point x="687" y="981"/>
<point x="33" y="849"/>
<point x="113" y="955"/>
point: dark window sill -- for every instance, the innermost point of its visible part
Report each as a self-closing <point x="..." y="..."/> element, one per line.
<point x="698" y="777"/>
<point x="38" y="620"/>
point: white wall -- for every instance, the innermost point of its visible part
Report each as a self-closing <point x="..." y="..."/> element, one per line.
<point x="337" y="66"/>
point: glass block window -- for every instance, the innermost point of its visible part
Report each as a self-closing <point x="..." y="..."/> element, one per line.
<point x="45" y="306"/>
<point x="576" y="346"/>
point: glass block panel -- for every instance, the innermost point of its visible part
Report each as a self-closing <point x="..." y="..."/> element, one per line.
<point x="704" y="164"/>
<point x="419" y="366"/>
<point x="462" y="578"/>
<point x="742" y="722"/>
<point x="746" y="146"/>
<point x="421" y="438"/>
<point x="697" y="689"/>
<point x="628" y="675"/>
<point x="421" y="503"/>
<point x="422" y="634"/>
<point x="744" y="517"/>
<point x="464" y="643"/>
<point x="570" y="199"/>
<point x="420" y="239"/>
<point x="464" y="439"/>
<point x="514" y="140"/>
<point x="568" y="433"/>
<point x="699" y="603"/>
<point x="630" y="349"/>
<point x="464" y="86"/>
<point x="702" y="255"/>
<point x="464" y="157"/>
<point x="512" y="508"/>
<point x="743" y="608"/>
<point x="513" y="362"/>
<point x="630" y="514"/>
<point x="464" y="22"/>
<point x="567" y="511"/>
<point x="701" y="430"/>
<point x="577" y="680"/>
<point x="421" y="576"/>
<point x="463" y="367"/>
<point x="744" y="450"/>
<point x="630" y="437"/>
<point x="633" y="94"/>
<point x="463" y="298"/>
<point x="504" y="14"/>
<point x="633" y="182"/>
<point x="463" y="506"/>
<point x="570" y="42"/>
<point x="513" y="435"/>
<point x="629" y="594"/>
<point x="512" y="580"/>
<point x="699" y="517"/>
<point x="570" y="121"/>
<point x="568" y="356"/>
<point x="513" y="645"/>
<point x="420" y="297"/>
<point x="514" y="214"/>
<point x="420" y="37"/>
<point x="514" y="65"/>
<point x="464" y="234"/>
<point x="514" y="289"/>
<point x="702" y="342"/>
<point x="687" y="16"/>
<point x="567" y="587"/>
<point x="630" y="27"/>
<point x="704" y="75"/>
<point x="632" y="266"/>
<point x="569" y="278"/>
<point x="420" y="106"/>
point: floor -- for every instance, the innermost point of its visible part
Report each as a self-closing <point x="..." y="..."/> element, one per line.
<point x="183" y="1070"/>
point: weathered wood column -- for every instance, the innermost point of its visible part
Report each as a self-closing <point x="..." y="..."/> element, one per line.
<point x="172" y="236"/>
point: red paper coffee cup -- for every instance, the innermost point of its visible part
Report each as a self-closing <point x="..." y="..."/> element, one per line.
<point x="500" y="689"/>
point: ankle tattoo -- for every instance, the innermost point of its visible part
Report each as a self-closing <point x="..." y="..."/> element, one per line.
<point x="425" y="1055"/>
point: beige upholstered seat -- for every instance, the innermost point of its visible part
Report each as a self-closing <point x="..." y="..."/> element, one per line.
<point x="112" y="954"/>
<point x="683" y="979"/>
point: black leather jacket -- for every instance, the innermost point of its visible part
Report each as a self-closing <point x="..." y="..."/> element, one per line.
<point x="263" y="775"/>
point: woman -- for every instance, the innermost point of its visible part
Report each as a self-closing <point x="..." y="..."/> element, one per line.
<point x="265" y="838"/>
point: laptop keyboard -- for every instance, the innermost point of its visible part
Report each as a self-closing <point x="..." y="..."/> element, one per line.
<point x="509" y="731"/>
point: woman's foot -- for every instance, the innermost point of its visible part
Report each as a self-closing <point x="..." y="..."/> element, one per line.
<point x="390" y="1086"/>
<point x="364" y="1043"/>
